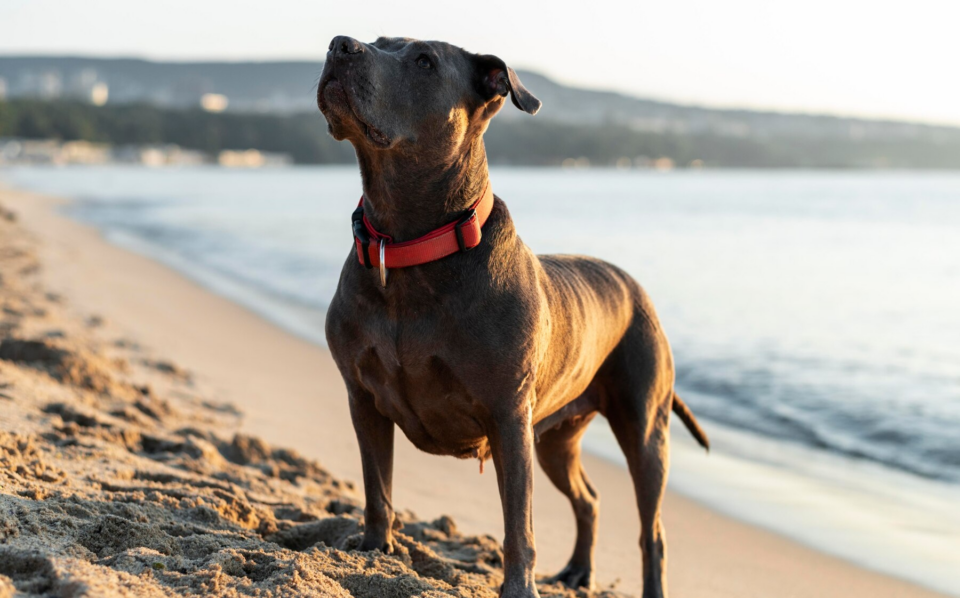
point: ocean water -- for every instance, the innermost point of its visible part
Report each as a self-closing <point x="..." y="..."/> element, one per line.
<point x="814" y="316"/>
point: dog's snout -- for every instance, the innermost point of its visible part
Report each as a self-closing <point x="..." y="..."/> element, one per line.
<point x="345" y="45"/>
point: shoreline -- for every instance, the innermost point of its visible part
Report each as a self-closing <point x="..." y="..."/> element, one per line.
<point x="710" y="553"/>
<point x="848" y="510"/>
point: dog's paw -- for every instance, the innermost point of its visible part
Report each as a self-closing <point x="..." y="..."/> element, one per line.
<point x="529" y="592"/>
<point x="575" y="577"/>
<point x="371" y="544"/>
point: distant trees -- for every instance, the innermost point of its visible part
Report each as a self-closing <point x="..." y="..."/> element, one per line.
<point x="521" y="142"/>
<point x="303" y="136"/>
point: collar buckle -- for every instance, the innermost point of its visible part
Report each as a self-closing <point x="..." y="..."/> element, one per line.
<point x="472" y="213"/>
<point x="360" y="233"/>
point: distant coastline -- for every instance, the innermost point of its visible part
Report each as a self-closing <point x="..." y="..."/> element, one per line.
<point x="135" y="133"/>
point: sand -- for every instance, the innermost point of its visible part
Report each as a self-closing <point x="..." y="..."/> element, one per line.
<point x="157" y="439"/>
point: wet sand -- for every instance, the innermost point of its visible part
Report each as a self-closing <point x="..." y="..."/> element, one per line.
<point x="287" y="393"/>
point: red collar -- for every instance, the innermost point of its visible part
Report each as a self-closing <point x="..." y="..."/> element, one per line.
<point x="462" y="235"/>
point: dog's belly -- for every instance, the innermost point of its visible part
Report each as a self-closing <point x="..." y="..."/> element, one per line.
<point x="426" y="399"/>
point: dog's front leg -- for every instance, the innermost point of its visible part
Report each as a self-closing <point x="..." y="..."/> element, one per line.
<point x="375" y="436"/>
<point x="511" y="445"/>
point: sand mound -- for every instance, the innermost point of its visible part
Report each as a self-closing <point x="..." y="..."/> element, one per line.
<point x="116" y="479"/>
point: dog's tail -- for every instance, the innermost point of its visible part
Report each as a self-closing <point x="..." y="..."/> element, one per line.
<point x="686" y="416"/>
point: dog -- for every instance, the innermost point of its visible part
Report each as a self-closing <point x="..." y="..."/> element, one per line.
<point x="446" y="325"/>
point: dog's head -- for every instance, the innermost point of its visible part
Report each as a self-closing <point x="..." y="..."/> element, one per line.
<point x="410" y="95"/>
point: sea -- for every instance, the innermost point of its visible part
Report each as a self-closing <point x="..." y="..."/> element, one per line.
<point x="814" y="317"/>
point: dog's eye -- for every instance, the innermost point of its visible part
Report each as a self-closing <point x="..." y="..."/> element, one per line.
<point x="424" y="62"/>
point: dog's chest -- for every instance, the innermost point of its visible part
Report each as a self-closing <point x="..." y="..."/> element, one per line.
<point x="418" y="384"/>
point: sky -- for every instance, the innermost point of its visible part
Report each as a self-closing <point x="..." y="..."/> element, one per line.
<point x="850" y="57"/>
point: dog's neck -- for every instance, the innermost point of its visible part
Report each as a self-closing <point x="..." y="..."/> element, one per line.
<point x="407" y="196"/>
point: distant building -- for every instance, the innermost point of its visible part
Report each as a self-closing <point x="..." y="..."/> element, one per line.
<point x="3" y="89"/>
<point x="581" y="162"/>
<point x="49" y="85"/>
<point x="57" y="153"/>
<point x="30" y="152"/>
<point x="99" y="94"/>
<point x="214" y="102"/>
<point x="86" y="86"/>
<point x="663" y="164"/>
<point x="252" y="159"/>
<point x="83" y="152"/>
<point x="9" y="150"/>
<point x="159" y="155"/>
<point x="46" y="85"/>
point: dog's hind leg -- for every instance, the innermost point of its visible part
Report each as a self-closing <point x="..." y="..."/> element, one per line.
<point x="558" y="451"/>
<point x="645" y="442"/>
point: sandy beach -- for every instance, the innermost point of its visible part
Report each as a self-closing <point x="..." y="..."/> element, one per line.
<point x="130" y="390"/>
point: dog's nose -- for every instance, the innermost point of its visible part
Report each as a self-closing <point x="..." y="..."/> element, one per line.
<point x="343" y="44"/>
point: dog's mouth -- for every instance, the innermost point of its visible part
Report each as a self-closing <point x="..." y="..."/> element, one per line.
<point x="332" y="98"/>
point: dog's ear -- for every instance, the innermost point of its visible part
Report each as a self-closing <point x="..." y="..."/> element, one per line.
<point x="495" y="78"/>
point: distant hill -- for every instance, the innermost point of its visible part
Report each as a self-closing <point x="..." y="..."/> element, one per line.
<point x="287" y="87"/>
<point x="587" y="106"/>
<point x="599" y="127"/>
<point x="280" y="87"/>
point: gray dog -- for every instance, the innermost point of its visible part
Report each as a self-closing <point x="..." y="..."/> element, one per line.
<point x="445" y="324"/>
